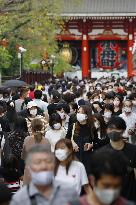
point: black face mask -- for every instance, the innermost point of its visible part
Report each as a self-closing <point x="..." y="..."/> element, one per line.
<point x="115" y="136"/>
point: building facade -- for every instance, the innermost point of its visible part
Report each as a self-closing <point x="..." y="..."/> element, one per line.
<point x="102" y="33"/>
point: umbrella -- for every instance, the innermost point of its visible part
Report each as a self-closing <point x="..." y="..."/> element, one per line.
<point x="14" y="83"/>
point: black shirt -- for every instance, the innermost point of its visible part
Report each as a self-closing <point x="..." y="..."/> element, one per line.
<point x="52" y="108"/>
<point x="119" y="112"/>
<point x="129" y="182"/>
<point x="4" y="124"/>
<point x="128" y="151"/>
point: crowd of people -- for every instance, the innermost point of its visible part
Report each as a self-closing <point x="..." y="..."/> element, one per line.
<point x="69" y="142"/>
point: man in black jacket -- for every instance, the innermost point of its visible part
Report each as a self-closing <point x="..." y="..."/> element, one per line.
<point x="115" y="130"/>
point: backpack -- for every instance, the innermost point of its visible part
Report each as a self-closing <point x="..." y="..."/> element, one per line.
<point x="7" y="150"/>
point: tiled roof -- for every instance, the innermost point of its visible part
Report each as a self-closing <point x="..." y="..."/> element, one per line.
<point x="79" y="7"/>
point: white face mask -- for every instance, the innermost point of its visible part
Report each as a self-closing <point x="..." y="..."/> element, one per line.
<point x="107" y="196"/>
<point x="116" y="103"/>
<point x="134" y="102"/>
<point x="6" y="99"/>
<point x="110" y="89"/>
<point x="61" y="154"/>
<point x="127" y="109"/>
<point x="42" y="178"/>
<point x="98" y="88"/>
<point x="101" y="100"/>
<point x="128" y="92"/>
<point x="62" y="115"/>
<point x="96" y="100"/>
<point x="33" y="112"/>
<point x="107" y="114"/>
<point x="60" y="90"/>
<point x="57" y="126"/>
<point x="81" y="117"/>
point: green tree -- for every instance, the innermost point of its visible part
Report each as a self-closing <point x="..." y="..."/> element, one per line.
<point x="33" y="24"/>
<point x="61" y="66"/>
<point x="14" y="66"/>
<point x="5" y="60"/>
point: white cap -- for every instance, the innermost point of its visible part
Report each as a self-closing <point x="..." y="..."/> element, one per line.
<point x="31" y="104"/>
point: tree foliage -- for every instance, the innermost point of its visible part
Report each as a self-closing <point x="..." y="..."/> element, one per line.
<point x="33" y="24"/>
<point x="5" y="60"/>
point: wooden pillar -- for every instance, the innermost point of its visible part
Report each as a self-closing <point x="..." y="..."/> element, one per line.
<point x="130" y="45"/>
<point x="85" y="52"/>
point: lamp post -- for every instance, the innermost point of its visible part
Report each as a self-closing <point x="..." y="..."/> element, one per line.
<point x="52" y="62"/>
<point x="20" y="56"/>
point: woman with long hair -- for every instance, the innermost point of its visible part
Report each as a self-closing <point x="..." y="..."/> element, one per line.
<point x="56" y="131"/>
<point x="82" y="135"/>
<point x="11" y="114"/>
<point x="117" y="105"/>
<point x="37" y="137"/>
<point x="17" y="137"/>
<point x="68" y="170"/>
<point x="100" y="137"/>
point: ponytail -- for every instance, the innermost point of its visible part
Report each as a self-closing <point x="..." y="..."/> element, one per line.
<point x="38" y="137"/>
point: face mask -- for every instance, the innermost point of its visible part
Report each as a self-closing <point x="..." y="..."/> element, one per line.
<point x="62" y="115"/>
<point x="60" y="91"/>
<point x="115" y="136"/>
<point x="98" y="88"/>
<point x="96" y="100"/>
<point x="57" y="126"/>
<point x="107" y="114"/>
<point x="129" y="93"/>
<point x="6" y="99"/>
<point x="116" y="103"/>
<point x="107" y="196"/>
<point x="81" y="117"/>
<point x="105" y="91"/>
<point x="97" y="125"/>
<point x="128" y="84"/>
<point x="61" y="154"/>
<point x="33" y="112"/>
<point x="127" y="109"/>
<point x="101" y="100"/>
<point x="134" y="103"/>
<point x="110" y="89"/>
<point x="42" y="178"/>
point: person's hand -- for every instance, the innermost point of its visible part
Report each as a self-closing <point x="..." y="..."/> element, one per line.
<point x="75" y="146"/>
<point x="88" y="146"/>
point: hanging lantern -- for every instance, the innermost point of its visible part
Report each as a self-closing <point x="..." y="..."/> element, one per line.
<point x="66" y="53"/>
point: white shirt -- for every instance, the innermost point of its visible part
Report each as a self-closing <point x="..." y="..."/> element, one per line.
<point x="76" y="177"/>
<point x="41" y="104"/>
<point x="65" y="123"/>
<point x="130" y="122"/>
<point x="54" y="136"/>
